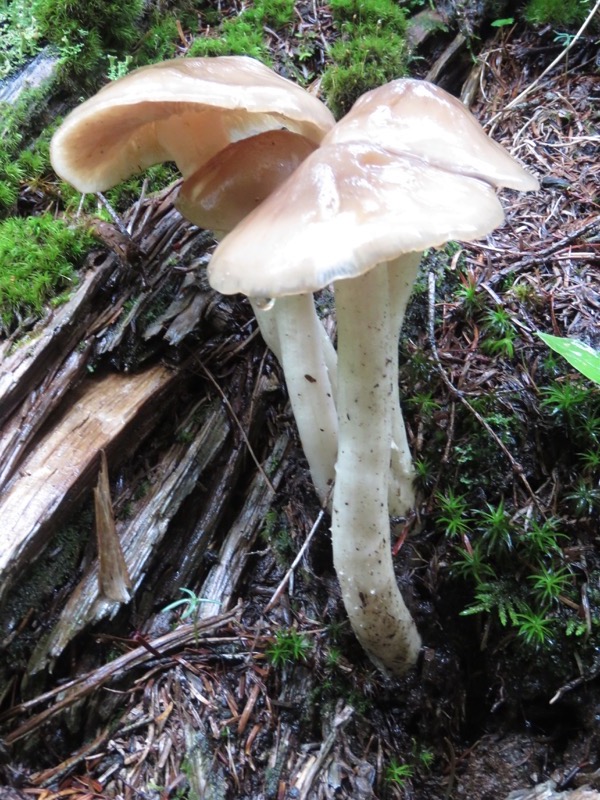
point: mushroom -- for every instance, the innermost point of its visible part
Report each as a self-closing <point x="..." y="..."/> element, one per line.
<point x="417" y="118"/>
<point x="218" y="196"/>
<point x="392" y="178"/>
<point x="213" y="117"/>
<point x="185" y="110"/>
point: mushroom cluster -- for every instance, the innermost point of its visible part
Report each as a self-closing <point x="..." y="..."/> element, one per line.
<point x="299" y="203"/>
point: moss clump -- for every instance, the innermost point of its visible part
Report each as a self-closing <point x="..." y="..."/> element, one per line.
<point x="84" y="31"/>
<point x="159" y="42"/>
<point x="115" y="22"/>
<point x="236" y="37"/>
<point x="361" y="64"/>
<point x="20" y="164"/>
<point x="38" y="256"/>
<point x="370" y="13"/>
<point x="563" y="13"/>
<point x="28" y="170"/>
<point x="20" y="34"/>
<point x="275" y="13"/>
<point x="244" y="34"/>
<point x="161" y="39"/>
<point x="370" y="51"/>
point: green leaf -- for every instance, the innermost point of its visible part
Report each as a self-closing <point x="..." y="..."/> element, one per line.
<point x="580" y="355"/>
<point x="501" y="23"/>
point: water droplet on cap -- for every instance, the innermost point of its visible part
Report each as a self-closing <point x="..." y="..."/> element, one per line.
<point x="264" y="303"/>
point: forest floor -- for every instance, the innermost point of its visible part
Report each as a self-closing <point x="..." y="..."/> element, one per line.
<point x="254" y="687"/>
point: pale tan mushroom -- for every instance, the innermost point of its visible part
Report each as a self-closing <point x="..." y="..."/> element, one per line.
<point x="218" y="196"/>
<point x="185" y="110"/>
<point x="213" y="117"/>
<point x="359" y="213"/>
<point x="417" y="118"/>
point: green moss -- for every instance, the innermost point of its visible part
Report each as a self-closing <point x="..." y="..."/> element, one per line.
<point x="32" y="167"/>
<point x="23" y="157"/>
<point x="159" y="42"/>
<point x="362" y="64"/>
<point x="20" y="34"/>
<point x="37" y="259"/>
<point x="84" y="31"/>
<point x="244" y="34"/>
<point x="562" y="13"/>
<point x="370" y="51"/>
<point x="371" y="13"/>
<point x="116" y="22"/>
<point x="236" y="37"/>
<point x="273" y="13"/>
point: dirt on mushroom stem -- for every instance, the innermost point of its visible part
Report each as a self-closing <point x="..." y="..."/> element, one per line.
<point x="360" y="523"/>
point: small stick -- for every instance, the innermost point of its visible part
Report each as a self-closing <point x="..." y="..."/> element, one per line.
<point x="212" y="379"/>
<point x="113" y="215"/>
<point x="296" y="561"/>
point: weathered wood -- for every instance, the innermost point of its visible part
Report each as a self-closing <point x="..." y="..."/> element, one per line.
<point x="25" y="367"/>
<point x="63" y="464"/>
<point x="19" y="432"/>
<point x="181" y="469"/>
<point x="114" y="582"/>
<point x="221" y="583"/>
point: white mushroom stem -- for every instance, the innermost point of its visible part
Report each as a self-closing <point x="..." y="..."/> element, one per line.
<point x="293" y="331"/>
<point x="267" y="323"/>
<point x="402" y="274"/>
<point x="360" y="519"/>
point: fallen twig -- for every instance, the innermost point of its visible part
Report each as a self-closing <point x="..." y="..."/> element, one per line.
<point x="81" y="687"/>
<point x="517" y="468"/>
<point x="296" y="561"/>
<point x="522" y="95"/>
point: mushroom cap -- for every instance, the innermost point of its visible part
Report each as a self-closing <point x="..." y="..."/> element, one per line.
<point x="229" y="186"/>
<point x="419" y="118"/>
<point x="184" y="110"/>
<point x="347" y="208"/>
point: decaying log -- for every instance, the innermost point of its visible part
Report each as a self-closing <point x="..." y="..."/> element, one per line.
<point x="35" y="376"/>
<point x="55" y="418"/>
<point x="78" y="688"/>
<point x="222" y="582"/>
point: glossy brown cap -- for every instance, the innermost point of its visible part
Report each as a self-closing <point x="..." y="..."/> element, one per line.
<point x="229" y="186"/>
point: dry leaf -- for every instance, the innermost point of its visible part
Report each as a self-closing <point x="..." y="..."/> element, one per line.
<point x="113" y="578"/>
